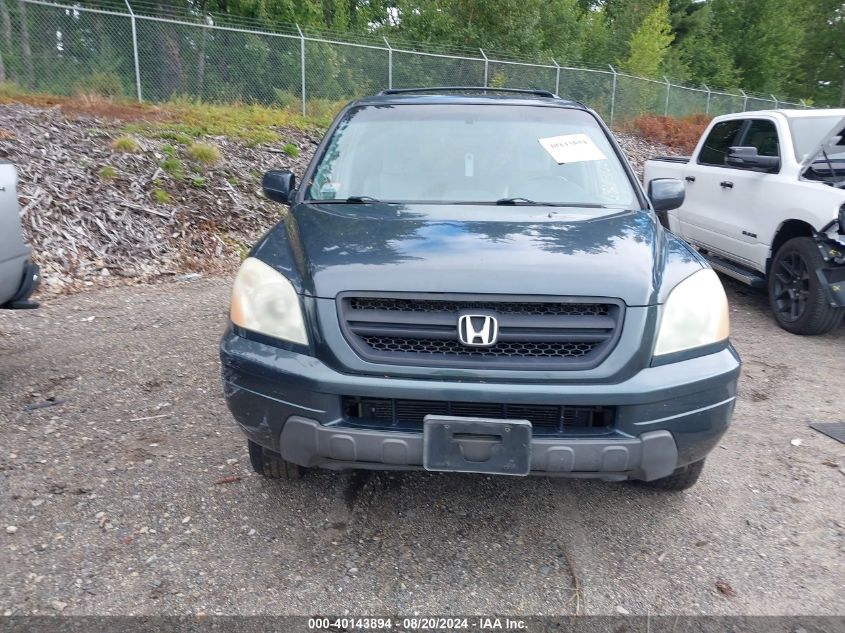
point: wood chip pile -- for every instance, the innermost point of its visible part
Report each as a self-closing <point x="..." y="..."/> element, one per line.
<point x="91" y="213"/>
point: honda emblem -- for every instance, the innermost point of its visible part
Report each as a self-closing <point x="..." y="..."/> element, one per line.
<point x="478" y="330"/>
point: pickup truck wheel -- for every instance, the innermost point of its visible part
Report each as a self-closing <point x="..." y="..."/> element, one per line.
<point x="270" y="464"/>
<point x="683" y="478"/>
<point x="797" y="300"/>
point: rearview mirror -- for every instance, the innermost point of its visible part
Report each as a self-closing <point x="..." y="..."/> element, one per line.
<point x="666" y="193"/>
<point x="749" y="158"/>
<point x="278" y="185"/>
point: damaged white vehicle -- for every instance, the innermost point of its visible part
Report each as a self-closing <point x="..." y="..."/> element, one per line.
<point x="765" y="203"/>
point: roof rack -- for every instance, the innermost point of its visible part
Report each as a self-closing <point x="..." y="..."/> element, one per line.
<point x="536" y="93"/>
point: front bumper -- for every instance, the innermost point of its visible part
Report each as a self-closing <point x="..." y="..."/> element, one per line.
<point x="666" y="416"/>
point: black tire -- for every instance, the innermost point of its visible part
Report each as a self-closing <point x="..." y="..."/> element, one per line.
<point x="683" y="478"/>
<point x="796" y="298"/>
<point x="270" y="464"/>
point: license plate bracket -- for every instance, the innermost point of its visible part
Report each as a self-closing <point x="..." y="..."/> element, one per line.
<point x="476" y="445"/>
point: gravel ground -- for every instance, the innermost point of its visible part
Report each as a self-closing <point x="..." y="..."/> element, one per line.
<point x="134" y="495"/>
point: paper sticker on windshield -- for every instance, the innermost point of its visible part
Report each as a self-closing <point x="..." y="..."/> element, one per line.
<point x="571" y="148"/>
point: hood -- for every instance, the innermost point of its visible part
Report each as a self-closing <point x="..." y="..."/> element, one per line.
<point x="835" y="136"/>
<point x="476" y="249"/>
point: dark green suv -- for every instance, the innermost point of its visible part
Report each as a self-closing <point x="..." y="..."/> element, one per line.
<point x="473" y="280"/>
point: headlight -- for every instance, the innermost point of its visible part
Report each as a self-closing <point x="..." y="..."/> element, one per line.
<point x="264" y="301"/>
<point x="694" y="315"/>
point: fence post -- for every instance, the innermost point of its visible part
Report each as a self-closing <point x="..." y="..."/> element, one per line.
<point x="486" y="64"/>
<point x="389" y="63"/>
<point x="135" y="50"/>
<point x="707" y="107"/>
<point x="302" y="65"/>
<point x="557" y="77"/>
<point x="776" y="101"/>
<point x="612" y="95"/>
<point x="666" y="106"/>
<point x="744" y="100"/>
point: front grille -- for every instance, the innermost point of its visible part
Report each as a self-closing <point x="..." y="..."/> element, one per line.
<point x="385" y="413"/>
<point x="445" y="346"/>
<point x="533" y="333"/>
<point x="502" y="307"/>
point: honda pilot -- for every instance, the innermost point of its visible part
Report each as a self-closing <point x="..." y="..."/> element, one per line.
<point x="474" y="281"/>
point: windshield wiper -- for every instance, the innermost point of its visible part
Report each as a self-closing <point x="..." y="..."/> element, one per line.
<point x="528" y="202"/>
<point x="349" y="200"/>
<point x="517" y="200"/>
<point x="361" y="200"/>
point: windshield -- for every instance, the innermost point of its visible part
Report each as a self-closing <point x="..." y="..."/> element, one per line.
<point x="448" y="153"/>
<point x="808" y="132"/>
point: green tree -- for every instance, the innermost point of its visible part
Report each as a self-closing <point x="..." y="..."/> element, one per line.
<point x="707" y="57"/>
<point x="650" y="42"/>
<point x="764" y="37"/>
<point x="820" y="73"/>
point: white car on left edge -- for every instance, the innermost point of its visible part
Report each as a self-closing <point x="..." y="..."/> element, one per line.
<point x="19" y="275"/>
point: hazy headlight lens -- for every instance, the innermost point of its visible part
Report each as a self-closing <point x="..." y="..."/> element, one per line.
<point x="695" y="314"/>
<point x="264" y="301"/>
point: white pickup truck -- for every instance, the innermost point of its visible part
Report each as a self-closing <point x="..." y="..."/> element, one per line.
<point x="765" y="204"/>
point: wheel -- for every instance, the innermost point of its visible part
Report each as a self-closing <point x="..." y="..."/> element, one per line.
<point x="683" y="478"/>
<point x="797" y="299"/>
<point x="270" y="464"/>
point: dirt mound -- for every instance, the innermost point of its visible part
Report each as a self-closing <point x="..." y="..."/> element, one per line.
<point x="96" y="207"/>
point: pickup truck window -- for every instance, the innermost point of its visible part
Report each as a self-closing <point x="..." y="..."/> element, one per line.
<point x="456" y="153"/>
<point x="721" y="137"/>
<point x="763" y="135"/>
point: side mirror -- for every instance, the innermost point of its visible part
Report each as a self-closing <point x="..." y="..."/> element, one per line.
<point x="666" y="193"/>
<point x="748" y="158"/>
<point x="278" y="185"/>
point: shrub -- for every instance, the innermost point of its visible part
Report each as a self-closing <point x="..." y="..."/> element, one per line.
<point x="173" y="167"/>
<point x="291" y="150"/>
<point x="107" y="172"/>
<point x="204" y="153"/>
<point x="105" y="84"/>
<point x="126" y="144"/>
<point x="259" y="136"/>
<point x="286" y="99"/>
<point x="161" y="196"/>
<point x="681" y="134"/>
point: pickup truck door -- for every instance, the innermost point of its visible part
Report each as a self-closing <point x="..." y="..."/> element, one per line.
<point x="750" y="202"/>
<point x="703" y="218"/>
<point x="726" y="216"/>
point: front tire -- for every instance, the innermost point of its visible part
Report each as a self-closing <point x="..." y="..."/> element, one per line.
<point x="797" y="300"/>
<point x="683" y="478"/>
<point x="270" y="464"/>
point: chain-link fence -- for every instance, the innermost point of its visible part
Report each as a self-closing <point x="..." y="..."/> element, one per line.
<point x="142" y="53"/>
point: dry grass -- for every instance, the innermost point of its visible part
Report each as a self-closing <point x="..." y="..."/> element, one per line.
<point x="184" y="120"/>
<point x="681" y="134"/>
<point x="126" y="145"/>
<point x="203" y="153"/>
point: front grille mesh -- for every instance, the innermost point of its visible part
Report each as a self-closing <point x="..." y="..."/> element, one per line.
<point x="500" y="350"/>
<point x="553" y="333"/>
<point x="501" y="307"/>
